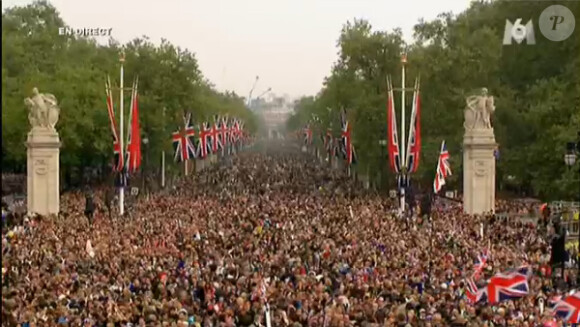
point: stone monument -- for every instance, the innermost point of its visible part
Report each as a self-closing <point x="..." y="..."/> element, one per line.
<point x="43" y="154"/>
<point x="478" y="155"/>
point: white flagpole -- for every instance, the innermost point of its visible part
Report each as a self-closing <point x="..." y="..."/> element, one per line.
<point x="412" y="122"/>
<point x="185" y="163"/>
<point x="402" y="139"/>
<point x="403" y="147"/>
<point x="163" y="169"/>
<point x="163" y="156"/>
<point x="267" y="313"/>
<point x="121" y="141"/>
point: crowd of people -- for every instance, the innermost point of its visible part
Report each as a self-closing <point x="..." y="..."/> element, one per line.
<point x="273" y="235"/>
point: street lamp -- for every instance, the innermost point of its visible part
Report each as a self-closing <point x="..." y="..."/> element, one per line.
<point x="252" y="90"/>
<point x="265" y="92"/>
<point x="572" y="152"/>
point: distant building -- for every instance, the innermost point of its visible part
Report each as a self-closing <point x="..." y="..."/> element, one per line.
<point x="274" y="111"/>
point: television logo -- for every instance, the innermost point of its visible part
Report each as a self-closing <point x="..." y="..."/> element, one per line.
<point x="518" y="32"/>
<point x="556" y="24"/>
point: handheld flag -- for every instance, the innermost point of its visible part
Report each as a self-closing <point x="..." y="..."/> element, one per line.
<point x="443" y="169"/>
<point x="568" y="308"/>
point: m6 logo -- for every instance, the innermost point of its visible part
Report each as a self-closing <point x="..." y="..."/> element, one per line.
<point x="556" y="24"/>
<point x="518" y="32"/>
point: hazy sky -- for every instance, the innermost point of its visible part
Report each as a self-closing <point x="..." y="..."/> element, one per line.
<point x="290" y="44"/>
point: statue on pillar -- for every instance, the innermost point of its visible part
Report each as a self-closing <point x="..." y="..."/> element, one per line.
<point x="479" y="111"/>
<point x="43" y="110"/>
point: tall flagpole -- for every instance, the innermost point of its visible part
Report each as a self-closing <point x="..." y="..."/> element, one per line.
<point x="123" y="177"/>
<point x="163" y="156"/>
<point x="403" y="146"/>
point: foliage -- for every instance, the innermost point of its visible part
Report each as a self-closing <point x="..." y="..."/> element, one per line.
<point x="537" y="90"/>
<point x="74" y="69"/>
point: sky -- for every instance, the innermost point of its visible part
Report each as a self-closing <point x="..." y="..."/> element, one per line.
<point x="289" y="44"/>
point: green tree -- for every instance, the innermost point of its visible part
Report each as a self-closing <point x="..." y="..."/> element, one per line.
<point x="74" y="69"/>
<point x="536" y="87"/>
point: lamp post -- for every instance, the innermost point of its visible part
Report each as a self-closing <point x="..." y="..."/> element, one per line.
<point x="264" y="93"/>
<point x="572" y="152"/>
<point x="251" y="91"/>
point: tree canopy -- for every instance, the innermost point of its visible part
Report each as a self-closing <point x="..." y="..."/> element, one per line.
<point x="75" y="69"/>
<point x="537" y="91"/>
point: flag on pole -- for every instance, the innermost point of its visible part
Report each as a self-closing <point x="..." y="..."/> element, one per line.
<point x="118" y="157"/>
<point x="223" y="132"/>
<point x="414" y="142"/>
<point x="443" y="169"/>
<point x="205" y="146"/>
<point x="392" y="137"/>
<point x="347" y="146"/>
<point x="307" y="135"/>
<point x="133" y="161"/>
<point x="182" y="141"/>
<point x="216" y="143"/>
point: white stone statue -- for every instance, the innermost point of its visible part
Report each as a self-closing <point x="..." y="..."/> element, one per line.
<point x="43" y="110"/>
<point x="479" y="110"/>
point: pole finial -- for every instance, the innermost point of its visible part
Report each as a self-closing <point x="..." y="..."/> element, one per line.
<point x="404" y="58"/>
<point x="122" y="56"/>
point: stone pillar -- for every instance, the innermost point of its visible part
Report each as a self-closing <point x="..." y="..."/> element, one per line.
<point x="43" y="175"/>
<point x="479" y="171"/>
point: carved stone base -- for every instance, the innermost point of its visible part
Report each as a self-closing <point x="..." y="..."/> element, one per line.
<point x="479" y="171"/>
<point x="43" y="176"/>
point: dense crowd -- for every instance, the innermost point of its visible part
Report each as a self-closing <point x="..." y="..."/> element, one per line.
<point x="274" y="231"/>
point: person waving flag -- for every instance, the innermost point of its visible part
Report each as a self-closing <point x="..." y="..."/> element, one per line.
<point x="443" y="169"/>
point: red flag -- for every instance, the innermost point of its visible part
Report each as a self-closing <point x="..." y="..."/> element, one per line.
<point x="134" y="139"/>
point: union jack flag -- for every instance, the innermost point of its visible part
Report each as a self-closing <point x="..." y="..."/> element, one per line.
<point x="205" y="138"/>
<point x="328" y="141"/>
<point x="117" y="153"/>
<point x="216" y="143"/>
<point x="480" y="263"/>
<point x="392" y="138"/>
<point x="471" y="291"/>
<point x="568" y="308"/>
<point x="506" y="286"/>
<point x="307" y="135"/>
<point x="347" y="146"/>
<point x="182" y="141"/>
<point x="234" y="129"/>
<point x="443" y="168"/>
<point x="240" y="135"/>
<point x="414" y="143"/>
<point x="223" y="133"/>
